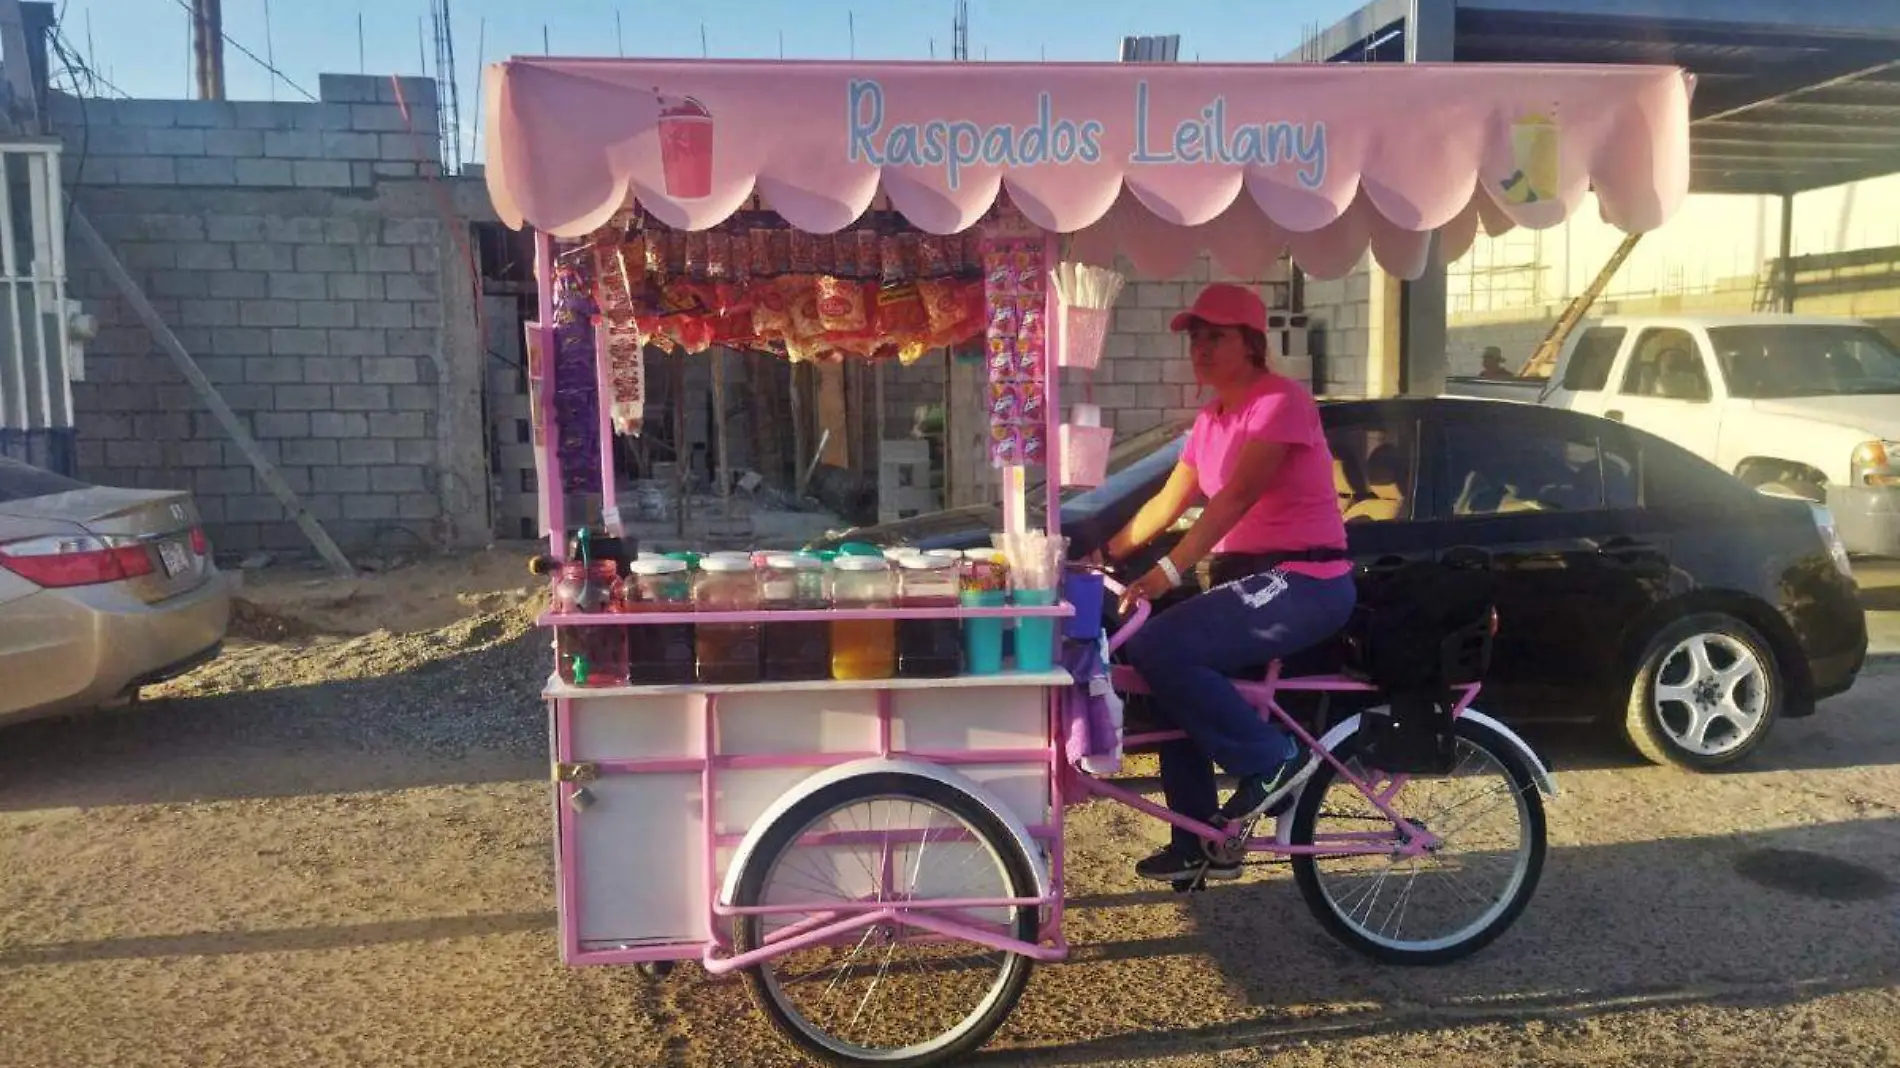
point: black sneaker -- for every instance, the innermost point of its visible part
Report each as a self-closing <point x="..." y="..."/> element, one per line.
<point x="1253" y="793"/>
<point x="1169" y="866"/>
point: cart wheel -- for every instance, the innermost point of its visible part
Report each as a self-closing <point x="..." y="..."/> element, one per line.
<point x="656" y="969"/>
<point x="890" y="993"/>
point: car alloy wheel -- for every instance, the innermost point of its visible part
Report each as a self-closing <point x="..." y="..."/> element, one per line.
<point x="1706" y="693"/>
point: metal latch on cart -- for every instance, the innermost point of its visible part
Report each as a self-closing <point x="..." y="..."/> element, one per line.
<point x="583" y="772"/>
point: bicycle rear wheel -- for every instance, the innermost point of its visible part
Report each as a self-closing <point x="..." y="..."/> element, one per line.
<point x="1490" y="817"/>
<point x="890" y="993"/>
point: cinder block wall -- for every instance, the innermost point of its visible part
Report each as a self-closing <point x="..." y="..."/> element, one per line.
<point x="299" y="254"/>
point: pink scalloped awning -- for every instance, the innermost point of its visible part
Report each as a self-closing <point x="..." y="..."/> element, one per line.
<point x="1148" y="160"/>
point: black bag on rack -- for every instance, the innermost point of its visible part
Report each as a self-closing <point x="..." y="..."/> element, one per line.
<point x="1418" y="634"/>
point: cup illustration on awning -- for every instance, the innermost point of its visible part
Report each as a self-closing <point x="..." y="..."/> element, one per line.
<point x="1534" y="155"/>
<point x="686" y="147"/>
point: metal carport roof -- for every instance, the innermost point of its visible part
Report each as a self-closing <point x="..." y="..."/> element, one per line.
<point x="1790" y="96"/>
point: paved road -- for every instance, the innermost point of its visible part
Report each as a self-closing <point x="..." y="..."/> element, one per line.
<point x="210" y="904"/>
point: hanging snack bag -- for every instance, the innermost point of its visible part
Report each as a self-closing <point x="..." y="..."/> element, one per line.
<point x="841" y="306"/>
<point x="804" y="252"/>
<point x="901" y="313"/>
<point x="932" y="260"/>
<point x="772" y="309"/>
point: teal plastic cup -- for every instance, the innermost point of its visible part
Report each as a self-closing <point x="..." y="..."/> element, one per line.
<point x="983" y="638"/>
<point x="1035" y="637"/>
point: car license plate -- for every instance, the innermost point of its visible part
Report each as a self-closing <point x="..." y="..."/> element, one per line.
<point x="175" y="556"/>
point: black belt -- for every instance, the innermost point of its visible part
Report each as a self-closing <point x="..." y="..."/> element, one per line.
<point x="1221" y="568"/>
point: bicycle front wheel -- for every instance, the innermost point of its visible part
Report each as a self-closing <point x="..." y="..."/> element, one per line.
<point x="1440" y="905"/>
<point x="892" y="993"/>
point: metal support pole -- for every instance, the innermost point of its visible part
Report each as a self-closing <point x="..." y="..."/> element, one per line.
<point x="1785" y="265"/>
<point x="1430" y="30"/>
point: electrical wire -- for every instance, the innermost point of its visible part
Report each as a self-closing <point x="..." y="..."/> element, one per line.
<point x="254" y="57"/>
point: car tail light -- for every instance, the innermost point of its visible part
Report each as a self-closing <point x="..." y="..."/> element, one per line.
<point x="199" y="543"/>
<point x="1824" y="522"/>
<point x="82" y="560"/>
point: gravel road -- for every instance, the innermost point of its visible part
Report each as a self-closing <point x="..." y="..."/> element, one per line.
<point x="335" y="851"/>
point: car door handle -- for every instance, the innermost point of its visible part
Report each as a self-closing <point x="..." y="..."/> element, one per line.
<point x="1629" y="550"/>
<point x="1466" y="558"/>
<point x="1614" y="414"/>
<point x="1385" y="565"/>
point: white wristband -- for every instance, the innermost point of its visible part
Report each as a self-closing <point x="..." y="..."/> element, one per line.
<point x="1167" y="568"/>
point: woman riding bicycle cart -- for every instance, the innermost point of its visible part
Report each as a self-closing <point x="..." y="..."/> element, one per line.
<point x="833" y="775"/>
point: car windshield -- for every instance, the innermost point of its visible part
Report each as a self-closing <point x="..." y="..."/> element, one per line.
<point x="1806" y="360"/>
<point x="1148" y="457"/>
<point x="20" y="482"/>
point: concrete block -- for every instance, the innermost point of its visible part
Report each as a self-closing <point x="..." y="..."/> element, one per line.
<point x="281" y="425"/>
<point x="426" y="313"/>
<point x="331" y="370"/>
<point x="162" y="226"/>
<point x="303" y="398"/>
<point x="234" y="228"/>
<point x="207" y="115"/>
<point x="265" y="173"/>
<point x="209" y="170"/>
<point x="1161" y="348"/>
<point x="369" y="506"/>
<point x="208" y="312"/>
<point x="267" y="259"/>
<point x="377" y="118"/>
<point x="326" y="507"/>
<point x="274" y="369"/>
<point x="90" y="456"/>
<point x="362" y="398"/>
<point x="291" y="285"/>
<point x="293" y="144"/>
<point x="146" y="113"/>
<point x="346" y="144"/>
<point x="347" y="88"/>
<point x="396" y="479"/>
<point x="1136" y="420"/>
<point x="359" y="342"/>
<point x="412" y="287"/>
<point x="412" y="342"/>
<point x="355" y="286"/>
<point x="106" y="426"/>
<point x="384" y="314"/>
<point x="292" y="341"/>
<point x="412" y="232"/>
<point x="253" y="509"/>
<point x="325" y="259"/>
<point x="368" y="453"/>
<point x="175" y="142"/>
<point x="413" y="398"/>
<point x="260" y="115"/>
<point x="361" y="174"/>
<point x="422" y="451"/>
<point x="239" y="341"/>
<point x="147" y="256"/>
<point x="347" y="477"/>
<point x="131" y="454"/>
<point x="405" y="148"/>
<point x="221" y="370"/>
<point x="385" y="169"/>
<point x="177" y="284"/>
<point x="418" y="506"/>
<point x="252" y="396"/>
<point x="221" y="480"/>
<point x="383" y="259"/>
<point x="294" y="229"/>
<point x="237" y="144"/>
<point x="1166" y="295"/>
<point x="1177" y="372"/>
<point x="326" y="313"/>
<point x="321" y="174"/>
<point x="1138" y="372"/>
<point x="321" y="117"/>
<point x="298" y="479"/>
<point x="352" y="230"/>
<point x="416" y="92"/>
<point x="237" y="285"/>
<point x="93" y="170"/>
<point x="147" y="170"/>
<point x="206" y="257"/>
<point x="161" y="426"/>
<point x="267" y="312"/>
<point x="393" y="371"/>
<point x="341" y="425"/>
<point x="398" y="425"/>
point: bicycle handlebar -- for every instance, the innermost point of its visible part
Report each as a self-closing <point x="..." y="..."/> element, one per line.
<point x="1134" y="622"/>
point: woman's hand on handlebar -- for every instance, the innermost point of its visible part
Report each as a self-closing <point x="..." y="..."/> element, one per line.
<point x="1146" y="588"/>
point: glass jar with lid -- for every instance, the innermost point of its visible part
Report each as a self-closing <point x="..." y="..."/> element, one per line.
<point x="796" y="649"/>
<point x="659" y="653"/>
<point x="726" y="653"/>
<point x="862" y="648"/>
<point x="928" y="648"/>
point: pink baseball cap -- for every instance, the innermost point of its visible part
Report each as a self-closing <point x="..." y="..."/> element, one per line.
<point x="1224" y="304"/>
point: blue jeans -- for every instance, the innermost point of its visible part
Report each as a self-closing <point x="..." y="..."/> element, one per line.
<point x="1187" y="654"/>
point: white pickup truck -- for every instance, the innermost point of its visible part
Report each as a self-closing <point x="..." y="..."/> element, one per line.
<point x="1802" y="405"/>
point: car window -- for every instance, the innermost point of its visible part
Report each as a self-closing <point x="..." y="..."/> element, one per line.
<point x="1503" y="469"/>
<point x="1374" y="468"/>
<point x="21" y="481"/>
<point x="1589" y="369"/>
<point x="1806" y="360"/>
<point x="1667" y="366"/>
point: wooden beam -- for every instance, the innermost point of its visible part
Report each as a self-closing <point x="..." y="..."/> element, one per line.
<point x="267" y="472"/>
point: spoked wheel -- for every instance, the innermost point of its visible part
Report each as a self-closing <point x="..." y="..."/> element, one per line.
<point x="1440" y="905"/>
<point x="891" y="993"/>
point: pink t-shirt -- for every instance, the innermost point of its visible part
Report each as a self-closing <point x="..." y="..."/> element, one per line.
<point x="1300" y="507"/>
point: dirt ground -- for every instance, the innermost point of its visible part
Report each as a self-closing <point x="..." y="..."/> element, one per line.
<point x="331" y="847"/>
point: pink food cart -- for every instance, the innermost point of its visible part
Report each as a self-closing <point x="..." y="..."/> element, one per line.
<point x="749" y="826"/>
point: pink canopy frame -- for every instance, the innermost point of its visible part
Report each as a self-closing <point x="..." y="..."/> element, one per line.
<point x="1149" y="160"/>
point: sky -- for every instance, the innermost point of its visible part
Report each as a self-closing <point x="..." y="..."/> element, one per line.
<point x="144" y="46"/>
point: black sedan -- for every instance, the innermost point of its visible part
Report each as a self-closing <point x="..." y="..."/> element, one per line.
<point x="1637" y="584"/>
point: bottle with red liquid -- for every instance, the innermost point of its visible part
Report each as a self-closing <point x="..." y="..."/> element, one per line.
<point x="659" y="654"/>
<point x="587" y="655"/>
